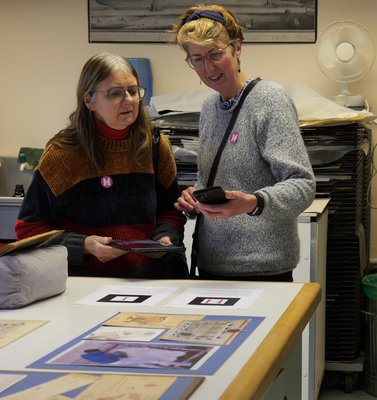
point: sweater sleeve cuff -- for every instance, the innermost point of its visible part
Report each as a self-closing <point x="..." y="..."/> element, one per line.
<point x="74" y="243"/>
<point x="176" y="236"/>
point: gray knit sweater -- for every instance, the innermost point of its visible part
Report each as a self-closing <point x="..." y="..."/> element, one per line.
<point x="268" y="155"/>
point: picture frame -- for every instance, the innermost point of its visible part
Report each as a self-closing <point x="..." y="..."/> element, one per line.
<point x="149" y="21"/>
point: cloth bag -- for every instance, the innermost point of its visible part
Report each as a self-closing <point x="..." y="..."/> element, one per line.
<point x="32" y="275"/>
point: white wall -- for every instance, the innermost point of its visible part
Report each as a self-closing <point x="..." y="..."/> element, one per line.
<point x="44" y="44"/>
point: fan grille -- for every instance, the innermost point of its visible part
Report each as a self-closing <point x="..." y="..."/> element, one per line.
<point x="346" y="51"/>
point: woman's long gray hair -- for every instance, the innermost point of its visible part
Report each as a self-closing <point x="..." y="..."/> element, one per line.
<point x="81" y="131"/>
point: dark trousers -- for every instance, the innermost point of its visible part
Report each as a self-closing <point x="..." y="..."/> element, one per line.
<point x="286" y="277"/>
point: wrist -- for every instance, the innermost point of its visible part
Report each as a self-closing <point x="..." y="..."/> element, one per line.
<point x="190" y="215"/>
<point x="259" y="207"/>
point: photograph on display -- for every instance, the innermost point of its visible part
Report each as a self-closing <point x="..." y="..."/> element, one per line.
<point x="48" y="385"/>
<point x="118" y="333"/>
<point x="270" y="21"/>
<point x="135" y="355"/>
<point x="218" y="332"/>
<point x="150" y="320"/>
<point x="13" y="329"/>
<point x="142" y="343"/>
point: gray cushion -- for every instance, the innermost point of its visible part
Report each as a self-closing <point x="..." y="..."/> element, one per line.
<point x="32" y="275"/>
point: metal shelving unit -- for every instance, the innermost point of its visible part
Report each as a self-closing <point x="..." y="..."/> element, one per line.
<point x="341" y="159"/>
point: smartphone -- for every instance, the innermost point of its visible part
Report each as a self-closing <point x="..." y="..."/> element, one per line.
<point x="211" y="195"/>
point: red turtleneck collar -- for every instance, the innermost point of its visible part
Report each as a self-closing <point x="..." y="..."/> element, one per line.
<point x="110" y="133"/>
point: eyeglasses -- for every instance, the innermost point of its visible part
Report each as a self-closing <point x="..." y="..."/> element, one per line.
<point x="197" y="61"/>
<point x="117" y="94"/>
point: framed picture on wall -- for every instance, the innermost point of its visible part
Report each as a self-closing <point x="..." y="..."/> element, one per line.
<point x="148" y="21"/>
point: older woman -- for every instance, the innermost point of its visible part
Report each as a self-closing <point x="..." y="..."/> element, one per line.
<point x="264" y="167"/>
<point x="96" y="179"/>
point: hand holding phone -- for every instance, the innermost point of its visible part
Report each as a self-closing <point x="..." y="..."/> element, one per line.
<point x="211" y="195"/>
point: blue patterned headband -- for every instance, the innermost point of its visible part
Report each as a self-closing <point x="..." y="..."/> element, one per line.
<point x="214" y="15"/>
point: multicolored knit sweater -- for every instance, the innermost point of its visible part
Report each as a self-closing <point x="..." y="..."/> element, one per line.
<point x="123" y="201"/>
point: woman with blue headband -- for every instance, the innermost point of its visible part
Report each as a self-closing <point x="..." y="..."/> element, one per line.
<point x="264" y="167"/>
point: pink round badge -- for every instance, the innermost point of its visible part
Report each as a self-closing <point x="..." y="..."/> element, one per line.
<point x="107" y="182"/>
<point x="233" y="137"/>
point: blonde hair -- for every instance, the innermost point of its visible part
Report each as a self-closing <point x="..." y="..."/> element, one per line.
<point x="206" y="31"/>
<point x="81" y="131"/>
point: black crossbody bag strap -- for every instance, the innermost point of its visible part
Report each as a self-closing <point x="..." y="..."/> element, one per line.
<point x="156" y="150"/>
<point x="213" y="171"/>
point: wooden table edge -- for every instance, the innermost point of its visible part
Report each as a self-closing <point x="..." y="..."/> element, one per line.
<point x="260" y="371"/>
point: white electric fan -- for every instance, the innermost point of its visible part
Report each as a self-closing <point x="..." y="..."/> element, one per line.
<point x="345" y="54"/>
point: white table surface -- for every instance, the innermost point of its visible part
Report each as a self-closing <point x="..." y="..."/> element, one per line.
<point x="68" y="319"/>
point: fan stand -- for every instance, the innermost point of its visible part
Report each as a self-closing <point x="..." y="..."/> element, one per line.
<point x="346" y="99"/>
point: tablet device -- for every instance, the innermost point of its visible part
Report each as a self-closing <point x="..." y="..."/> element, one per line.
<point x="146" y="246"/>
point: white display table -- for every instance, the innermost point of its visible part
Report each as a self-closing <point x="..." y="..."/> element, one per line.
<point x="249" y="373"/>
